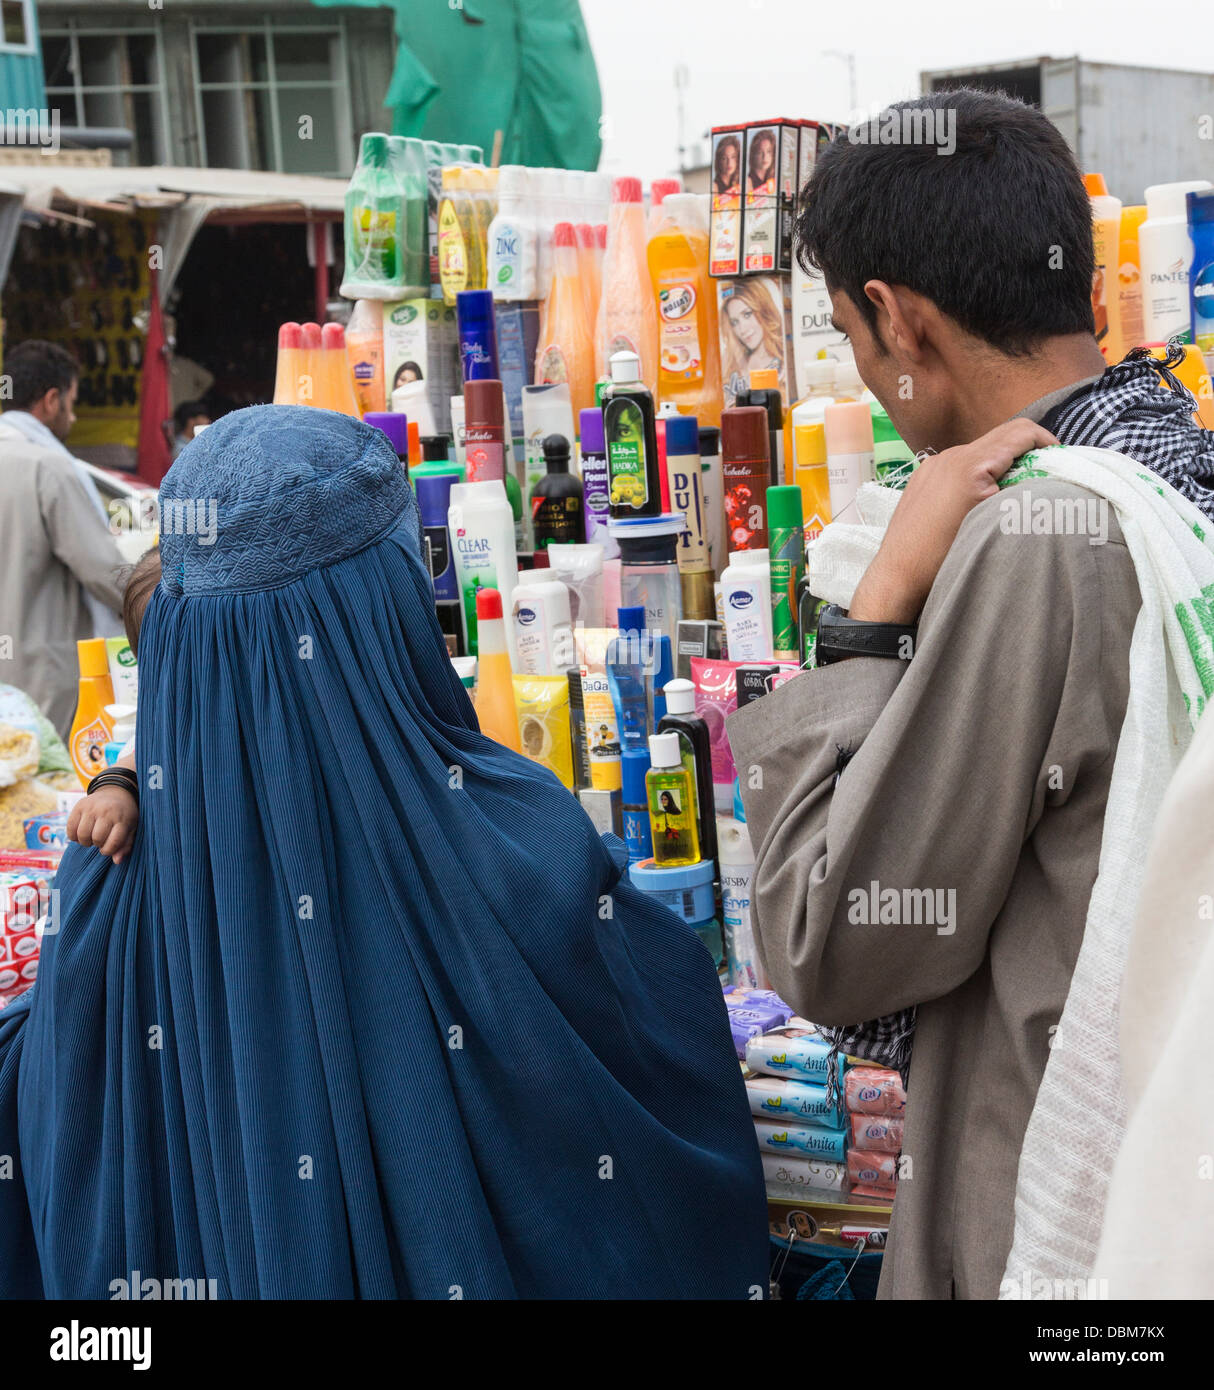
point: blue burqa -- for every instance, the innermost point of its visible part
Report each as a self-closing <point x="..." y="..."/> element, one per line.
<point x="369" y="1011"/>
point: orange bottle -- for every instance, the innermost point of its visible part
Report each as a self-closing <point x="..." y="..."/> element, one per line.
<point x="689" y="362"/>
<point x="336" y="378"/>
<point x="494" y="702"/>
<point x="92" y="727"/>
<point x="286" y="377"/>
<point x="588" y="270"/>
<point x="628" y="320"/>
<point x="566" y="351"/>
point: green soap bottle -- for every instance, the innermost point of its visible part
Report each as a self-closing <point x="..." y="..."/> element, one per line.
<point x="670" y="792"/>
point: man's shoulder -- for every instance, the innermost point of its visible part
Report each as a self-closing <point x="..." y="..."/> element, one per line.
<point x="1059" y="516"/>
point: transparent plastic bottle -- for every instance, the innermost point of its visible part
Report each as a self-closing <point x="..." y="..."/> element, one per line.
<point x="689" y="360"/>
<point x="512" y="237"/>
<point x="628" y="318"/>
<point x="566" y="353"/>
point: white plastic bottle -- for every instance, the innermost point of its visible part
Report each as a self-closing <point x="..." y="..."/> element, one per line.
<point x="512" y="237"/>
<point x="1165" y="251"/>
<point x="849" y="455"/>
<point x="736" y="859"/>
<point x="481" y="525"/>
<point x="543" y="628"/>
<point x="746" y="601"/>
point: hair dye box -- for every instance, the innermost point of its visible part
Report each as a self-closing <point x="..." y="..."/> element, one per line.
<point x="725" y="188"/>
<point x="769" y="194"/>
<point x="755" y="325"/>
<point x="421" y="343"/>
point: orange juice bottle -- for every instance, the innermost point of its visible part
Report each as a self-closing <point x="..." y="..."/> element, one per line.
<point x="689" y="363"/>
<point x="628" y="320"/>
<point x="566" y="352"/>
<point x="92" y="727"/>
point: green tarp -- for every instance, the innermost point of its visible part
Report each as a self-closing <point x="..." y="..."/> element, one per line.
<point x="466" y="68"/>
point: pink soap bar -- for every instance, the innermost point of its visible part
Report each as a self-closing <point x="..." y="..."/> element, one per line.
<point x="874" y="1091"/>
<point x="876" y="1133"/>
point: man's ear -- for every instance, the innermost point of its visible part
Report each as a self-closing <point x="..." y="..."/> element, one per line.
<point x="901" y="326"/>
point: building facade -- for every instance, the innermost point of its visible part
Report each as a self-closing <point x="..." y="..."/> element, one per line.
<point x="278" y="85"/>
<point x="20" y="59"/>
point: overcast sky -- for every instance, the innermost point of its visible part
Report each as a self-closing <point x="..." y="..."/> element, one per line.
<point x="750" y="59"/>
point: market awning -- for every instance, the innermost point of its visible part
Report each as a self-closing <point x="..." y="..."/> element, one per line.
<point x="186" y="198"/>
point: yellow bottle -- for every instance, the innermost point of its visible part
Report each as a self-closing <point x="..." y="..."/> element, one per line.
<point x="494" y="700"/>
<point x="1106" y="247"/>
<point x="92" y="727"/>
<point x="689" y="361"/>
<point x="811" y="475"/>
<point x="461" y="262"/>
<point x="670" y="792"/>
<point x="1129" y="279"/>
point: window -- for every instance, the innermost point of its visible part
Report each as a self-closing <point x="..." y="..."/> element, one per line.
<point x="101" y="77"/>
<point x="17" y="19"/>
<point x="274" y="96"/>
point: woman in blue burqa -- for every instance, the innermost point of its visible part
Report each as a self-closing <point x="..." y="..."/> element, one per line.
<point x="369" y="1011"/>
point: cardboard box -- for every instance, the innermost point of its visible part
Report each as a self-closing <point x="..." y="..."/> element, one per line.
<point x="725" y="188"/>
<point x="755" y="324"/>
<point x="770" y="189"/>
<point x="421" y="343"/>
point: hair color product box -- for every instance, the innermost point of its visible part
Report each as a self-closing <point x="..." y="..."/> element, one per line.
<point x="725" y="224"/>
<point x="769" y="190"/>
<point x="421" y="343"/>
<point x="697" y="637"/>
<point x="755" y="326"/>
<point x="518" y="335"/>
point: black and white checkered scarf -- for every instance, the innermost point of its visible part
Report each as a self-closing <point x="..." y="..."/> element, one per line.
<point x="1137" y="408"/>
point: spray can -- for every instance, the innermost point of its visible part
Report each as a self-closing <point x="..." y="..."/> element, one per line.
<point x="477" y="335"/>
<point x="786" y="546"/>
<point x="594" y="481"/>
<point x="745" y="470"/>
<point x="485" y="431"/>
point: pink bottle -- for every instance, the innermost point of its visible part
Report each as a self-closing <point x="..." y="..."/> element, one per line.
<point x="628" y="317"/>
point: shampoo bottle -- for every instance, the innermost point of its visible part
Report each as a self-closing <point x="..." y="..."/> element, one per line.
<point x="557" y="504"/>
<point x="671" y="797"/>
<point x="494" y="679"/>
<point x="1166" y="253"/>
<point x="696" y="751"/>
<point x="632" y="441"/>
<point x="92" y="727"/>
<point x="481" y="526"/>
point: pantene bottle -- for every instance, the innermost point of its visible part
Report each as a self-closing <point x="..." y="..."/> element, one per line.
<point x="849" y="455"/>
<point x="1165" y="254"/>
<point x="689" y="356"/>
<point x="628" y="320"/>
<point x="566" y="353"/>
<point x="1129" y="280"/>
<point x="494" y="699"/>
<point x="92" y="727"/>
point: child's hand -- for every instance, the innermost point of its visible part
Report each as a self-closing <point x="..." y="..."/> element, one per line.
<point x="106" y="819"/>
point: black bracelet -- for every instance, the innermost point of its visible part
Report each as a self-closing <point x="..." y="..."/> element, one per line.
<point x="116" y="777"/>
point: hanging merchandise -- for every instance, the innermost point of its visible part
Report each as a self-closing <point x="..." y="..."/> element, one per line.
<point x="566" y="353"/>
<point x="632" y="445"/>
<point x="628" y="320"/>
<point x="689" y="361"/>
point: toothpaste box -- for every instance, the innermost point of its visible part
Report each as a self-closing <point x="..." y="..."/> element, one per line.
<point x="21" y="898"/>
<point x="46" y="832"/>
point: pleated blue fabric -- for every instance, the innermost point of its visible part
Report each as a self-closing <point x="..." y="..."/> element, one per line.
<point x="371" y="1011"/>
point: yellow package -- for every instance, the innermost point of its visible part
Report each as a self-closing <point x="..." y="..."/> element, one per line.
<point x="542" y="705"/>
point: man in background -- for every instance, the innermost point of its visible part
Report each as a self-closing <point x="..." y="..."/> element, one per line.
<point x="188" y="416"/>
<point x="56" y="550"/>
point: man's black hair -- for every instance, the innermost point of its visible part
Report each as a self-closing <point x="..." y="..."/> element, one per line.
<point x="36" y="367"/>
<point x="997" y="232"/>
<point x="186" y="411"/>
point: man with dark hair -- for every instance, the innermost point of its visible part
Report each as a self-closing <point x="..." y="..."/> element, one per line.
<point x="965" y="763"/>
<point x="57" y="555"/>
<point x="188" y="416"/>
